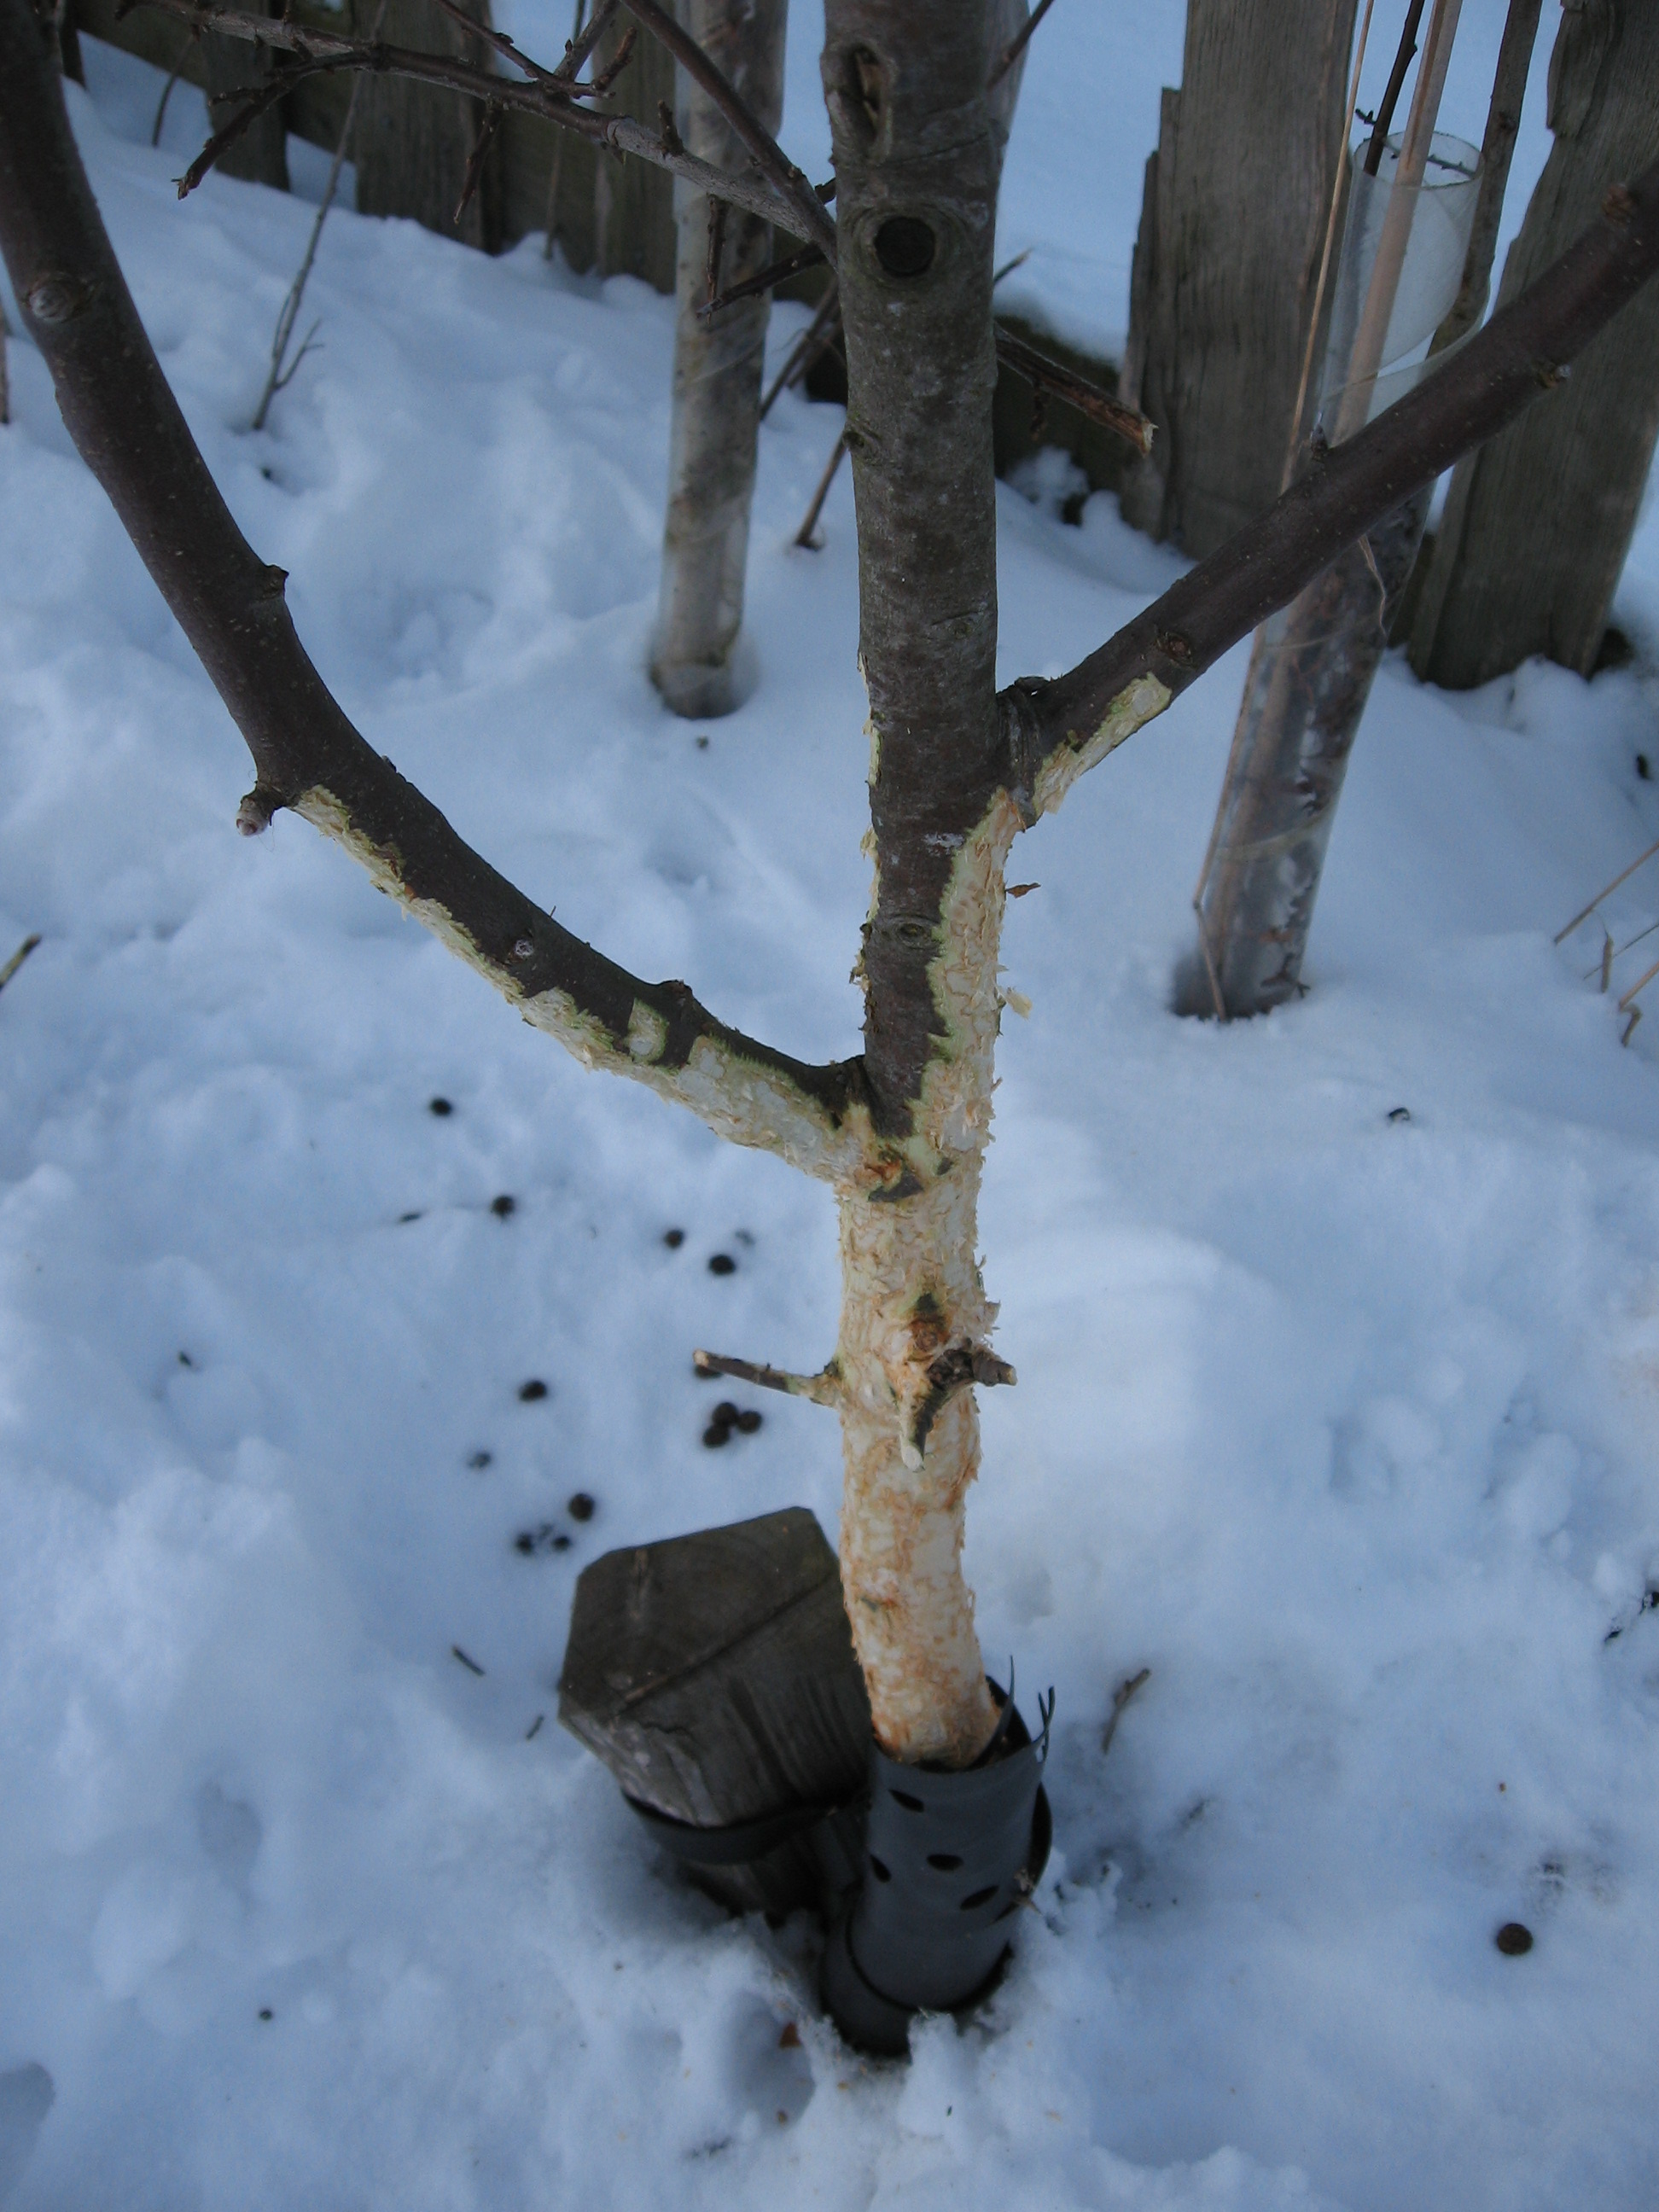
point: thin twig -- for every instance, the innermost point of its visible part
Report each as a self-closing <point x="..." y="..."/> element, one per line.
<point x="501" y="44"/>
<point x="769" y="156"/>
<point x="1623" y="877"/>
<point x="1125" y="1691"/>
<point x="810" y="257"/>
<point x="810" y="521"/>
<point x="1402" y="62"/>
<point x="1017" y="45"/>
<point x="18" y="959"/>
<point x="291" y="313"/>
<point x="1509" y="90"/>
<point x="257" y="105"/>
<point x="617" y="63"/>
<point x="1640" y="984"/>
<point x="824" y="1388"/>
<point x="553" y="101"/>
<point x="1046" y="375"/>
<point x="1009" y="267"/>
<point x="480" y="153"/>
<point x="807" y="347"/>
<point x="582" y="43"/>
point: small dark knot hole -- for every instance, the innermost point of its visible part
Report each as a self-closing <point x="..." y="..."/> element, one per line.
<point x="905" y="246"/>
<point x="910" y="1804"/>
<point x="945" y="1862"/>
<point x="879" y="1869"/>
<point x="979" y="1897"/>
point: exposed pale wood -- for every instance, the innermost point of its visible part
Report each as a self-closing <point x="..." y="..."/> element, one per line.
<point x="1227" y="259"/>
<point x="715" y="1676"/>
<point x="1537" y="525"/>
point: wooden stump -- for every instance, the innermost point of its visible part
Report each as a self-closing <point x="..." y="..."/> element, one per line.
<point x="715" y="1676"/>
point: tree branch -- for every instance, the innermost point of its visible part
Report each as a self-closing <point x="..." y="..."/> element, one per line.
<point x="549" y="96"/>
<point x="1045" y="375"/>
<point x="824" y="1388"/>
<point x="1056" y="730"/>
<point x="769" y="157"/>
<point x="124" y="421"/>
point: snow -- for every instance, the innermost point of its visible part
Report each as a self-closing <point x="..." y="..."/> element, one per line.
<point x="1342" y="1425"/>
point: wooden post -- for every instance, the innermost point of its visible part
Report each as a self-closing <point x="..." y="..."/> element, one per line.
<point x="414" y="141"/>
<point x="1227" y="260"/>
<point x="1538" y="523"/>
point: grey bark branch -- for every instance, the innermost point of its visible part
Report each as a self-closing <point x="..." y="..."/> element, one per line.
<point x="1058" y="727"/>
<point x="127" y="426"/>
<point x="543" y="96"/>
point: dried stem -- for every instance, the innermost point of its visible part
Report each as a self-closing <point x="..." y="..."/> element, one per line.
<point x="1497" y="148"/>
<point x="18" y="959"/>
<point x="1623" y="876"/>
<point x="810" y="257"/>
<point x="824" y="1388"/>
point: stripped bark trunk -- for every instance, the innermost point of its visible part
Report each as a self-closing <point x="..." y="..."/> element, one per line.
<point x="1537" y="526"/>
<point x="1227" y="259"/>
<point x="899" y="1134"/>
<point x="259" y="156"/>
<point x="916" y="161"/>
<point x="414" y="141"/>
<point x="1311" y="673"/>
<point x="718" y="361"/>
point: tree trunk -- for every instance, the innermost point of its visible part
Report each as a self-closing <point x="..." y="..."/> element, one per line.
<point x="1537" y="525"/>
<point x="414" y="141"/>
<point x="718" y="361"/>
<point x="259" y="156"/>
<point x="1313" y="666"/>
<point x="1227" y="260"/>
<point x="916" y="163"/>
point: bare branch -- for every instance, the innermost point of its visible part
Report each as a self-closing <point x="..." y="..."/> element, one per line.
<point x="824" y="1388"/>
<point x="583" y="43"/>
<point x="764" y="150"/>
<point x="1091" y="399"/>
<point x="810" y="257"/>
<point x="551" y="98"/>
<point x="128" y="429"/>
<point x="1057" y="729"/>
<point x="18" y="959"/>
<point x="1017" y="45"/>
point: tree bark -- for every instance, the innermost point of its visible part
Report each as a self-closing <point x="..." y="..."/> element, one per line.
<point x="414" y="141"/>
<point x="1227" y="260"/>
<point x="916" y="161"/>
<point x="1537" y="526"/>
<point x="259" y="156"/>
<point x="955" y="773"/>
<point x="718" y="361"/>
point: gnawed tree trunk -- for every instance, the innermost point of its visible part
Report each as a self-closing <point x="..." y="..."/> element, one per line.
<point x="1313" y="666"/>
<point x="957" y="771"/>
<point x="1227" y="259"/>
<point x="1537" y="525"/>
<point x="259" y="156"/>
<point x="413" y="141"/>
<point x="718" y="361"/>
<point x="916" y="163"/>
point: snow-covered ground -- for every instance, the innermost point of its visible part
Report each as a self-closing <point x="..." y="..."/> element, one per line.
<point x="1343" y="1426"/>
